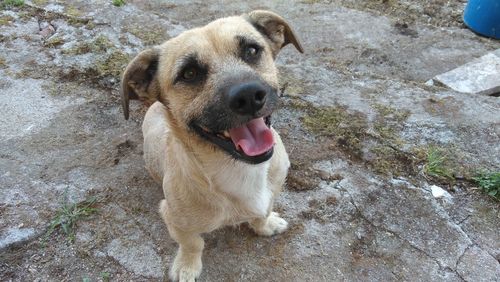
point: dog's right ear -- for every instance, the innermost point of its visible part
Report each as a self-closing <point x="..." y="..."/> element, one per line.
<point x="139" y="79"/>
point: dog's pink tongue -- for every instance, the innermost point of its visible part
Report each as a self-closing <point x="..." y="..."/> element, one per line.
<point x="254" y="138"/>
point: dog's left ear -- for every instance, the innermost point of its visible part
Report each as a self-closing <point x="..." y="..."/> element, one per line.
<point x="276" y="30"/>
<point x="139" y="79"/>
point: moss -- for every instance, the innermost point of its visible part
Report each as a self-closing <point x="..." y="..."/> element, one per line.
<point x="73" y="11"/>
<point x="383" y="155"/>
<point x="6" y="20"/>
<point x="82" y="48"/>
<point x="90" y="25"/>
<point x="149" y="35"/>
<point x="347" y="128"/>
<point x="387" y="160"/>
<point x="3" y="63"/>
<point x="289" y="84"/>
<point x="40" y="2"/>
<point x="99" y="45"/>
<point x="310" y="1"/>
<point x="54" y="41"/>
<point x="389" y="121"/>
<point x="113" y="65"/>
<point x="60" y="89"/>
<point x="388" y="112"/>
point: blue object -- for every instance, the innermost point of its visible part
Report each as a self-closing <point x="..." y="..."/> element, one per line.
<point x="483" y="17"/>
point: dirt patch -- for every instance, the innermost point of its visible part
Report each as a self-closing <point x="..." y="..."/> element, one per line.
<point x="320" y="210"/>
<point x="28" y="12"/>
<point x="346" y="129"/>
<point x="348" y="132"/>
<point x="150" y="34"/>
<point x="443" y="13"/>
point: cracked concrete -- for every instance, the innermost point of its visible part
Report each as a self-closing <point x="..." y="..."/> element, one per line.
<point x="357" y="119"/>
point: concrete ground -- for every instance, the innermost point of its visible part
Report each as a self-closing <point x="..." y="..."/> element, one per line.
<point x="367" y="138"/>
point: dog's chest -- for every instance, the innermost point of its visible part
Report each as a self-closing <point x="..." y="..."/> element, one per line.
<point x="249" y="185"/>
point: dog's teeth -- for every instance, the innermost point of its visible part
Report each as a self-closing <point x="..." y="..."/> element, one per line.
<point x="205" y="129"/>
<point x="226" y="134"/>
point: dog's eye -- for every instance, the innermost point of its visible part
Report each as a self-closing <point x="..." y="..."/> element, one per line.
<point x="189" y="74"/>
<point x="251" y="53"/>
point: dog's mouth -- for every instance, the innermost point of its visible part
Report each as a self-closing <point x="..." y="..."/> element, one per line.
<point x="251" y="142"/>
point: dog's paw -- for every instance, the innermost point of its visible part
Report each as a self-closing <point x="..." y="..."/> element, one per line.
<point x="272" y="225"/>
<point x="185" y="270"/>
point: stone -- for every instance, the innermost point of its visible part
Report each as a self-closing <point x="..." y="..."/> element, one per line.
<point x="438" y="192"/>
<point x="477" y="265"/>
<point x="136" y="256"/>
<point x="15" y="235"/>
<point x="480" y="76"/>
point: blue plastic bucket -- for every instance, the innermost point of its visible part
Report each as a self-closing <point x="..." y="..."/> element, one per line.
<point x="483" y="17"/>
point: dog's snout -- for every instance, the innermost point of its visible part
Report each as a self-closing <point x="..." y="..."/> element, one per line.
<point x="247" y="98"/>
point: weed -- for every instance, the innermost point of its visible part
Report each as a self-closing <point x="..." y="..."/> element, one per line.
<point x="489" y="182"/>
<point x="435" y="165"/>
<point x="118" y="3"/>
<point x="68" y="215"/>
<point x="106" y="276"/>
<point x="15" y="3"/>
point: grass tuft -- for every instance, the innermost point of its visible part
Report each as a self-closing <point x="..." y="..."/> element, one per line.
<point x="15" y="3"/>
<point x="68" y="215"/>
<point x="436" y="164"/>
<point x="118" y="3"/>
<point x="106" y="276"/>
<point x="489" y="182"/>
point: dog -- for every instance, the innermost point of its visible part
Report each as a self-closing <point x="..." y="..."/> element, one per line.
<point x="208" y="137"/>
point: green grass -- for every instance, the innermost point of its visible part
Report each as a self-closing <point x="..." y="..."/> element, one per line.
<point x="67" y="217"/>
<point x="106" y="276"/>
<point x="15" y="3"/>
<point x="118" y="3"/>
<point x="489" y="182"/>
<point x="436" y="164"/>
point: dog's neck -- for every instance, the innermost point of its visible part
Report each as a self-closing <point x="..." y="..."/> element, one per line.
<point x="245" y="183"/>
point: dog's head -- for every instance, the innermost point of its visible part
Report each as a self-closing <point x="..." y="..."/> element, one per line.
<point x="218" y="82"/>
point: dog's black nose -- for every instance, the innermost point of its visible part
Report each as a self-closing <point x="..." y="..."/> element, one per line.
<point x="247" y="98"/>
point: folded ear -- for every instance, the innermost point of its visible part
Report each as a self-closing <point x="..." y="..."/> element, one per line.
<point x="139" y="79"/>
<point x="275" y="29"/>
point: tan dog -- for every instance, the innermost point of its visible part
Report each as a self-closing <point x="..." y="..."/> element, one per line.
<point x="209" y="140"/>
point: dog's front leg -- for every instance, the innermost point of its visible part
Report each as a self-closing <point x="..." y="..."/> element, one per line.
<point x="271" y="225"/>
<point x="187" y="264"/>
